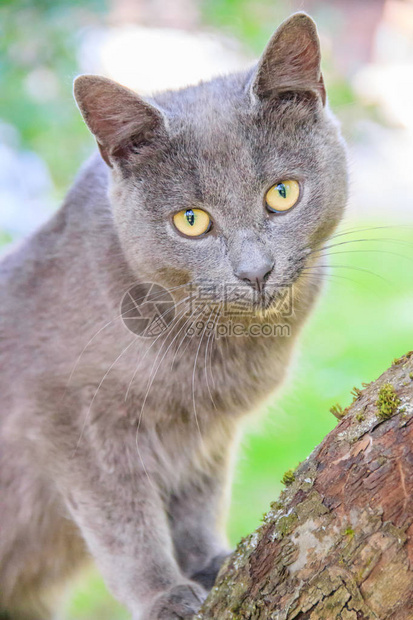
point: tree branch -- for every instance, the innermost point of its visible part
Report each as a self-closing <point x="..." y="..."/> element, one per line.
<point x="339" y="542"/>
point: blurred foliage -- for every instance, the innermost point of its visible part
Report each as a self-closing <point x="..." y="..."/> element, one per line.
<point x="5" y="238"/>
<point x="249" y="21"/>
<point x="38" y="61"/>
<point x="90" y="600"/>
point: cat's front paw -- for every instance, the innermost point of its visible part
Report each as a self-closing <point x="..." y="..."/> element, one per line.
<point x="207" y="575"/>
<point x="178" y="603"/>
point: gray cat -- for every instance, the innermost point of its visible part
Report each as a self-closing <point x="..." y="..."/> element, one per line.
<point x="119" y="447"/>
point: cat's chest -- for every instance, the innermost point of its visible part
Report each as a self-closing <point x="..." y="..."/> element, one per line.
<point x="203" y="377"/>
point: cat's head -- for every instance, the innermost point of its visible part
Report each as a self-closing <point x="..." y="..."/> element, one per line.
<point x="231" y="182"/>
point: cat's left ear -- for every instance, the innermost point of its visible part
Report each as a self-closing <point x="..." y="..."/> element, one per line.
<point x="121" y="121"/>
<point x="291" y="61"/>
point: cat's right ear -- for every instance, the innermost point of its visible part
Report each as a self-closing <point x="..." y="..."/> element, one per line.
<point x="122" y="123"/>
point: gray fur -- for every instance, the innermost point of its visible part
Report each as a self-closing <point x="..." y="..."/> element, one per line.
<point x="140" y="483"/>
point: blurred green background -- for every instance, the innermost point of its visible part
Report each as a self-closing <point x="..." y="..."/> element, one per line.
<point x="364" y="319"/>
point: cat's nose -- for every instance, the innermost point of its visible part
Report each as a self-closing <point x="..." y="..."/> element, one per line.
<point x="256" y="274"/>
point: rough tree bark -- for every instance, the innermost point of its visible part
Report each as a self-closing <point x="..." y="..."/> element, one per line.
<point x="339" y="542"/>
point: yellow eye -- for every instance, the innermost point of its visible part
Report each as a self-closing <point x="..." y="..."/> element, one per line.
<point x="282" y="196"/>
<point x="192" y="222"/>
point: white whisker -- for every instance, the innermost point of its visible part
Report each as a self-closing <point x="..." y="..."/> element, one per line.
<point x="206" y="354"/>
<point x="151" y="380"/>
<point x="193" y="377"/>
<point x="176" y="320"/>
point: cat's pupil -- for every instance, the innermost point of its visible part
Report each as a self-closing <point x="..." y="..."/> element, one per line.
<point x="190" y="217"/>
<point x="282" y="190"/>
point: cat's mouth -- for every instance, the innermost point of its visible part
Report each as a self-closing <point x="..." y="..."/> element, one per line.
<point x="272" y="300"/>
<point x="276" y="300"/>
